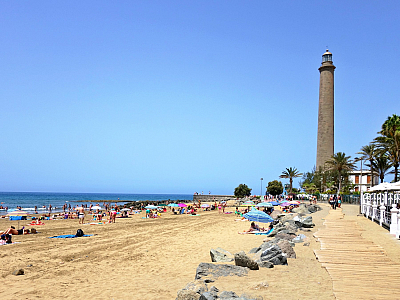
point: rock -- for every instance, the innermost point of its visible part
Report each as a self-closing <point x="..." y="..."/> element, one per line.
<point x="287" y="248"/>
<point x="277" y="228"/>
<point x="305" y="229"/>
<point x="299" y="239"/>
<point x="291" y="227"/>
<point x="241" y="259"/>
<point x="228" y="295"/>
<point x="220" y="255"/>
<point x="215" y="271"/>
<point x="208" y="296"/>
<point x="198" y="286"/>
<point x="302" y="209"/>
<point x="187" y="295"/>
<point x="312" y="208"/>
<point x="265" y="264"/>
<point x="275" y="214"/>
<point x="18" y="272"/>
<point x="254" y="250"/>
<point x="274" y="255"/>
<point x="285" y="236"/>
<point x="261" y="286"/>
<point x="214" y="289"/>
<point x="246" y="296"/>
<point x="306" y="222"/>
<point x="306" y="244"/>
<point x="288" y="232"/>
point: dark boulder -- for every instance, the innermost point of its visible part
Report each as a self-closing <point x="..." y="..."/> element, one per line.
<point x="228" y="295"/>
<point x="312" y="208"/>
<point x="18" y="272"/>
<point x="265" y="264"/>
<point x="207" y="270"/>
<point x="242" y="260"/>
<point x="209" y="296"/>
<point x="286" y="248"/>
<point x="220" y="255"/>
<point x="274" y="255"/>
<point x="305" y="222"/>
<point x="187" y="295"/>
<point x="285" y="236"/>
<point x="198" y="286"/>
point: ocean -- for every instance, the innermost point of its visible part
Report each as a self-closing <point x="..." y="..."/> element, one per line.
<point x="28" y="200"/>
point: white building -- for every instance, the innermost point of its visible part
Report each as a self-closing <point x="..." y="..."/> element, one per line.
<point x="362" y="182"/>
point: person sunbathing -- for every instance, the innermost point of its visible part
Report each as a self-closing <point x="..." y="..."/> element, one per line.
<point x="14" y="231"/>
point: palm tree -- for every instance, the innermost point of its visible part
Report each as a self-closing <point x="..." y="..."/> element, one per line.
<point x="389" y="141"/>
<point x="290" y="173"/>
<point x="368" y="152"/>
<point x="340" y="164"/>
<point x="381" y="165"/>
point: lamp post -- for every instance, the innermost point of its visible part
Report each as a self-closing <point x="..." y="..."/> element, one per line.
<point x="261" y="187"/>
<point x="360" y="184"/>
<point x="361" y="191"/>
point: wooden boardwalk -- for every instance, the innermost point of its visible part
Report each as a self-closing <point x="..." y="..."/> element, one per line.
<point x="359" y="268"/>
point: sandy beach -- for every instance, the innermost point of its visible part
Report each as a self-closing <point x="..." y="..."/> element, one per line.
<point x="139" y="258"/>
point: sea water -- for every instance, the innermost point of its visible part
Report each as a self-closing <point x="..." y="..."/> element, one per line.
<point x="28" y="200"/>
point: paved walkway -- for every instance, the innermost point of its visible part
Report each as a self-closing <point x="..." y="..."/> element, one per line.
<point x="359" y="268"/>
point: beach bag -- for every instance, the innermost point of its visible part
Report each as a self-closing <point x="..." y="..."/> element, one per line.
<point x="79" y="233"/>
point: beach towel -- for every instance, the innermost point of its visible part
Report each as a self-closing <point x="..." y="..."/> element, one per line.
<point x="67" y="236"/>
<point x="2" y="243"/>
<point x="264" y="232"/>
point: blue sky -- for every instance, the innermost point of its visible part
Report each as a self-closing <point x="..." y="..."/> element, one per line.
<point x="185" y="96"/>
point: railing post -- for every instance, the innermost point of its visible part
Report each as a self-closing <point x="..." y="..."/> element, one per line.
<point x="381" y="210"/>
<point x="374" y="211"/>
<point x="362" y="203"/>
<point x="393" y="220"/>
<point x="367" y="214"/>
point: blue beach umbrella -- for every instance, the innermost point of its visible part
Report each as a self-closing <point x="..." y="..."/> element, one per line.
<point x="173" y="205"/>
<point x="274" y="203"/>
<point x="258" y="216"/>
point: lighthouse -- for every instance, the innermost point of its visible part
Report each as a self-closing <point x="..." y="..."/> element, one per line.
<point x="325" y="138"/>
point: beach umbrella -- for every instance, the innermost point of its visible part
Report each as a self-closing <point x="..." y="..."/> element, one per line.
<point x="162" y="204"/>
<point x="205" y="205"/>
<point x="258" y="216"/>
<point x="182" y="205"/>
<point x="173" y="205"/>
<point x="96" y="207"/>
<point x="274" y="203"/>
<point x="17" y="213"/>
<point x="151" y="207"/>
<point x="285" y="204"/>
<point x="248" y="203"/>
<point x="264" y="204"/>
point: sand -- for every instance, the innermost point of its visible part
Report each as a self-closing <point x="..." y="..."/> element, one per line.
<point x="139" y="258"/>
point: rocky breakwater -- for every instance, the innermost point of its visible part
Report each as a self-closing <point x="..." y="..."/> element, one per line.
<point x="275" y="250"/>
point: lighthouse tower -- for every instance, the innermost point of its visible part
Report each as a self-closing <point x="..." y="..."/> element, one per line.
<point x="325" y="139"/>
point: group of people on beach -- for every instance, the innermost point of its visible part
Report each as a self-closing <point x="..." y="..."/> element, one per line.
<point x="335" y="201"/>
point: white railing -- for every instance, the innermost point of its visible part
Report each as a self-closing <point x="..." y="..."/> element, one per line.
<point x="382" y="208"/>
